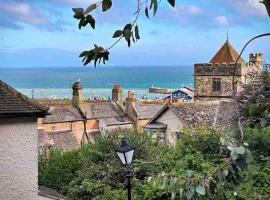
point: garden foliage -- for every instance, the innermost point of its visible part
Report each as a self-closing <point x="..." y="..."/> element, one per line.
<point x="202" y="164"/>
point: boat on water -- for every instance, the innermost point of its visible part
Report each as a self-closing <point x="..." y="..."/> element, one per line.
<point x="160" y="90"/>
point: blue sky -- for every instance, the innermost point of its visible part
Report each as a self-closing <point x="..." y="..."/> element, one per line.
<point x="44" y="32"/>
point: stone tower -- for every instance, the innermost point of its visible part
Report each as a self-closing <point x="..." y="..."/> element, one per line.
<point x="256" y="58"/>
<point x="214" y="79"/>
<point x="117" y="93"/>
<point x="77" y="96"/>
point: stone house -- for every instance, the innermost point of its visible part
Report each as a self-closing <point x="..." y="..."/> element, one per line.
<point x="77" y="122"/>
<point x="214" y="79"/>
<point x="141" y="112"/>
<point x="19" y="144"/>
<point x="166" y="125"/>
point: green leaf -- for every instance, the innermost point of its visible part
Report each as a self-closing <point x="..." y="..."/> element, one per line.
<point x="146" y="12"/>
<point x="81" y="23"/>
<point x="127" y="34"/>
<point x="78" y="12"/>
<point x="106" y="5"/>
<point x="90" y="20"/>
<point x="90" y="8"/>
<point x="249" y="157"/>
<point x="128" y="26"/>
<point x="172" y="2"/>
<point x="190" y="194"/>
<point x="225" y="172"/>
<point x="137" y="35"/>
<point x="189" y="173"/>
<point x="240" y="150"/>
<point x="117" y="33"/>
<point x="84" y="53"/>
<point x="200" y="190"/>
<point x="234" y="155"/>
<point x="155" y="6"/>
<point x="231" y="148"/>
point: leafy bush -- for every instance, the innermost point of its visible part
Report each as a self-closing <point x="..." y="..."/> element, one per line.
<point x="254" y="101"/>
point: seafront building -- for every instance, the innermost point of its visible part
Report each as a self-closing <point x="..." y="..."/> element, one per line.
<point x="214" y="79"/>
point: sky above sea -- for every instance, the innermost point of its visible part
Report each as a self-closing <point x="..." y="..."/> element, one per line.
<point x="43" y="33"/>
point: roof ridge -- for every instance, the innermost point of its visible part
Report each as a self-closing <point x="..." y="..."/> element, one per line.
<point x="16" y="93"/>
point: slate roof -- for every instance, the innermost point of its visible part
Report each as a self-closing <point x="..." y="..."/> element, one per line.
<point x="50" y="193"/>
<point x="14" y="103"/>
<point x="227" y="115"/>
<point x="102" y="110"/>
<point x="197" y="113"/>
<point x="219" y="114"/>
<point x="44" y="139"/>
<point x="63" y="114"/>
<point x="146" y="110"/>
<point x="109" y="121"/>
<point x="64" y="139"/>
<point x="226" y="54"/>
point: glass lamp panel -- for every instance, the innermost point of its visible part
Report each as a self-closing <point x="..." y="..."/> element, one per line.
<point x="122" y="157"/>
<point x="129" y="156"/>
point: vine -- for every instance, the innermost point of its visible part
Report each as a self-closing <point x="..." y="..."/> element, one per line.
<point x="130" y="31"/>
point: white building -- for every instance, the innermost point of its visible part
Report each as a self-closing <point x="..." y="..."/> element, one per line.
<point x="19" y="144"/>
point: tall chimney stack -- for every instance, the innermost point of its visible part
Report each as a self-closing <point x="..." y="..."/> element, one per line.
<point x="77" y="96"/>
<point x="117" y="93"/>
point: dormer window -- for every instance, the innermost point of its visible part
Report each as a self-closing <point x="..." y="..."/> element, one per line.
<point x="216" y="84"/>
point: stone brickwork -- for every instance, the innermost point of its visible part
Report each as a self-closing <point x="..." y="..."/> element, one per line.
<point x="214" y="79"/>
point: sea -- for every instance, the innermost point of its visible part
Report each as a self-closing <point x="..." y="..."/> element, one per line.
<point x="56" y="82"/>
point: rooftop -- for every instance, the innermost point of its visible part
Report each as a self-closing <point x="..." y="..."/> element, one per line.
<point x="63" y="114"/>
<point x="147" y="110"/>
<point x="226" y="54"/>
<point x="14" y="103"/>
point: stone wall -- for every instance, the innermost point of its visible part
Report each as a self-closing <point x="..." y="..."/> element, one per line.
<point x="204" y="74"/>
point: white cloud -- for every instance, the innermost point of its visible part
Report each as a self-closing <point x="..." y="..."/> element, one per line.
<point x="248" y="7"/>
<point x="187" y="10"/>
<point x="221" y="21"/>
<point x="23" y="12"/>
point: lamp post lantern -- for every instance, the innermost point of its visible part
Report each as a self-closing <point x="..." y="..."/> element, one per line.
<point x="125" y="153"/>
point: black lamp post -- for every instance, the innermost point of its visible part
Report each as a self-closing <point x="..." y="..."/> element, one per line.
<point x="125" y="154"/>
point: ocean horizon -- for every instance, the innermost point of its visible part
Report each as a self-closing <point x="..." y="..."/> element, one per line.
<point x="42" y="82"/>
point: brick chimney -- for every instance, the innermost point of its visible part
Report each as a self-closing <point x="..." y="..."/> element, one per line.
<point x="77" y="96"/>
<point x="117" y="93"/>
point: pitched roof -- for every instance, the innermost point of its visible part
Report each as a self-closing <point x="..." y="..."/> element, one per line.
<point x="197" y="113"/>
<point x="63" y="114"/>
<point x="102" y="110"/>
<point x="43" y="139"/>
<point x="110" y="121"/>
<point x="14" y="103"/>
<point x="50" y="193"/>
<point x="147" y="110"/>
<point x="219" y="114"/>
<point x="192" y="113"/>
<point x="226" y="54"/>
<point x="64" y="139"/>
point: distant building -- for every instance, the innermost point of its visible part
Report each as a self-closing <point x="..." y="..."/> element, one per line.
<point x="214" y="79"/>
<point x="167" y="124"/>
<point x="117" y="93"/>
<point x="141" y="112"/>
<point x="71" y="125"/>
<point x="184" y="93"/>
<point x="19" y="144"/>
